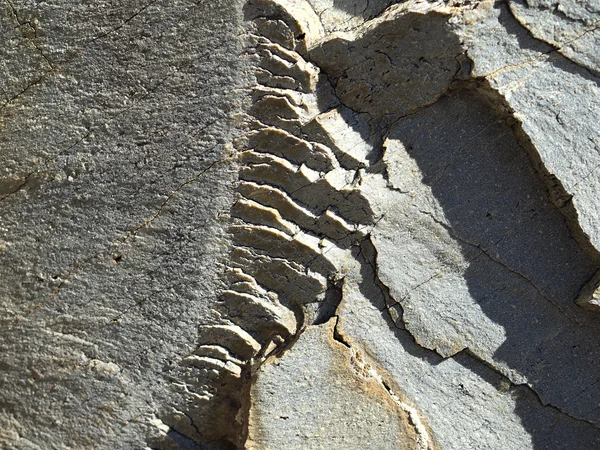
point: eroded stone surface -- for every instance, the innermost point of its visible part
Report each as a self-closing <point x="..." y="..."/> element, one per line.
<point x="116" y="166"/>
<point x="572" y="27"/>
<point x="330" y="401"/>
<point x="556" y="103"/>
<point x="464" y="250"/>
<point x="203" y="204"/>
<point x="464" y="402"/>
<point x="377" y="70"/>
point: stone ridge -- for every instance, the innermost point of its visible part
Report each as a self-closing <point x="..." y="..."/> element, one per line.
<point x="310" y="194"/>
<point x="298" y="214"/>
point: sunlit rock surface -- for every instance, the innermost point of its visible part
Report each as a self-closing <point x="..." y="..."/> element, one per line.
<point x="290" y="224"/>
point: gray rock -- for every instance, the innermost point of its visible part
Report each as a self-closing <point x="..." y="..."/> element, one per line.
<point x="469" y="263"/>
<point x="571" y="27"/>
<point x="464" y="402"/>
<point x="299" y="224"/>
<point x="555" y="102"/>
<point x="116" y="174"/>
<point x="376" y="70"/>
<point x="332" y="399"/>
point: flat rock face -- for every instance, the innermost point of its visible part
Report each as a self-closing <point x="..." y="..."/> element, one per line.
<point x="116" y="166"/>
<point x="291" y="224"/>
<point x="571" y="27"/>
<point x="331" y="400"/>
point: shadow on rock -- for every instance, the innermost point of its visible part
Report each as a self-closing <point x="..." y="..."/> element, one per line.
<point x="524" y="269"/>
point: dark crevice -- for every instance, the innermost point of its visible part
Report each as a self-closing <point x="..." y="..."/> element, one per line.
<point x="122" y="24"/>
<point x="338" y="336"/>
<point x="30" y="26"/>
<point x="16" y="189"/>
<point x="328" y="307"/>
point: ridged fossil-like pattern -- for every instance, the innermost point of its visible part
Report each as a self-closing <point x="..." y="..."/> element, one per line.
<point x="291" y="217"/>
<point x="297" y="215"/>
<point x="299" y="209"/>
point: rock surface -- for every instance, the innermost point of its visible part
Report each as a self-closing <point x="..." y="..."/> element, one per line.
<point x="300" y="224"/>
<point x="333" y="400"/>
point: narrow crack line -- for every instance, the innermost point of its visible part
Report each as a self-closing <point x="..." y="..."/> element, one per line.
<point x="451" y="232"/>
<point x="44" y="75"/>
<point x="27" y="38"/>
<point x="142" y="301"/>
<point x="195" y="427"/>
<point x="389" y="301"/>
<point x="337" y="335"/>
<point x="78" y="267"/>
<point x="14" y="13"/>
<point x="584" y="178"/>
<point x="32" y="84"/>
<point x="584" y="390"/>
<point x="41" y="51"/>
<point x="468" y="352"/>
<point x="161" y="208"/>
<point x="514" y="85"/>
<point x="18" y="188"/>
<point x="544" y="55"/>
<point x="509" y="67"/>
<point x="121" y="25"/>
<point x="491" y="294"/>
<point x="366" y="370"/>
<point x="52" y="66"/>
<point x="414" y="288"/>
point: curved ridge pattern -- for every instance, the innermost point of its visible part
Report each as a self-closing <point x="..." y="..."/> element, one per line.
<point x="297" y="215"/>
<point x="301" y="209"/>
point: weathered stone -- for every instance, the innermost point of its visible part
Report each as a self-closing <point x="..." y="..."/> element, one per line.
<point x="556" y="104"/>
<point x="571" y="27"/>
<point x="332" y="399"/>
<point x="299" y="224"/>
<point x="377" y="70"/>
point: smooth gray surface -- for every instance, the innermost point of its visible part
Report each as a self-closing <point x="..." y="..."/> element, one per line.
<point x="554" y="99"/>
<point x="478" y="256"/>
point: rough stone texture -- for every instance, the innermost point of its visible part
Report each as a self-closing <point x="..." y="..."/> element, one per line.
<point x="557" y="104"/>
<point x="115" y="148"/>
<point x="379" y="71"/>
<point x="571" y="27"/>
<point x="300" y="224"/>
<point x="331" y="401"/>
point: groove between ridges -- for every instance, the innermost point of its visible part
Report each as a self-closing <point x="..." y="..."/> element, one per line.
<point x="297" y="215"/>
